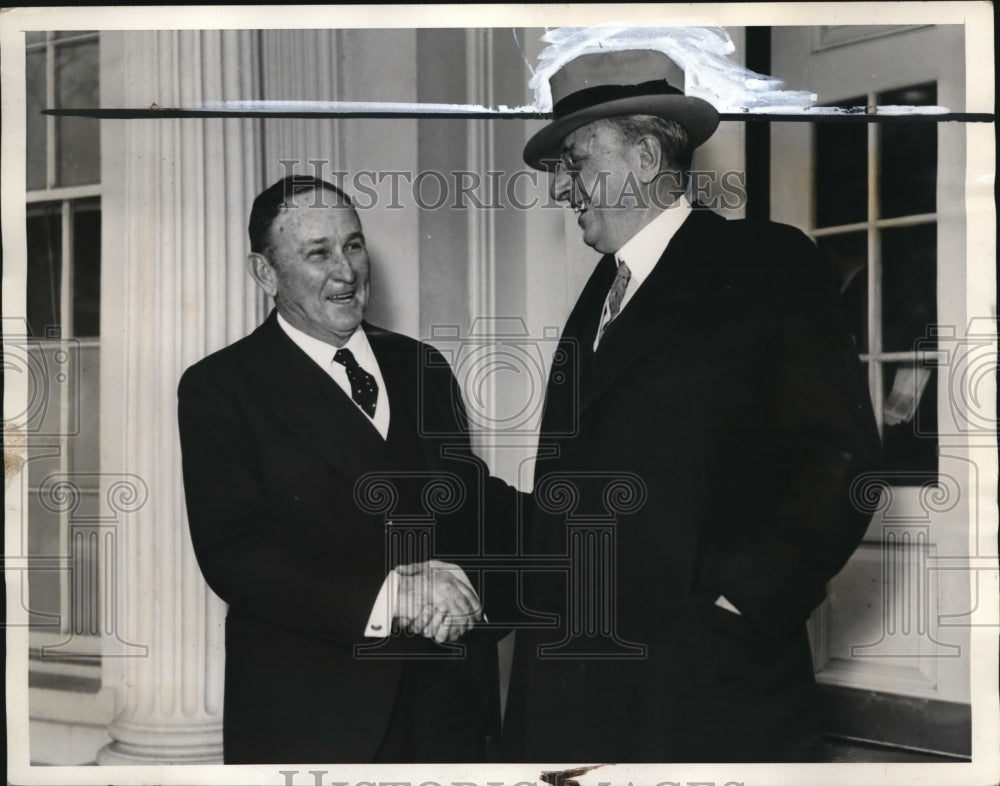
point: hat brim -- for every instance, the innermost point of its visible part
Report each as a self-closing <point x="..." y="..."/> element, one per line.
<point x="696" y="115"/>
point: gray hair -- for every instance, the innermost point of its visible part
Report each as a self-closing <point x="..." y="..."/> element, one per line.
<point x="675" y="142"/>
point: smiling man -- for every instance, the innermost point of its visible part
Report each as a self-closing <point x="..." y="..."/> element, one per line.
<point x="276" y="432"/>
<point x="713" y="367"/>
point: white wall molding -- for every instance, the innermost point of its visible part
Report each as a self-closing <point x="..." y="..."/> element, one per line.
<point x="481" y="224"/>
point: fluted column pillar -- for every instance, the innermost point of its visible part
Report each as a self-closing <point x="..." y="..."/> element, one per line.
<point x="176" y="196"/>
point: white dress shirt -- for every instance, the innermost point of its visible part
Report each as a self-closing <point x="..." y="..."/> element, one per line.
<point x="384" y="609"/>
<point x="641" y="253"/>
<point x="322" y="354"/>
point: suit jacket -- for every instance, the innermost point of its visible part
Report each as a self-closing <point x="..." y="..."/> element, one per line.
<point x="730" y="387"/>
<point x="272" y="452"/>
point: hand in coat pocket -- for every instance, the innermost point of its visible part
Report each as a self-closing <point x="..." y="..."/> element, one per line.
<point x="723" y="603"/>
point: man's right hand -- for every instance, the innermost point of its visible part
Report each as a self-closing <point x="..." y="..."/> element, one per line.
<point x="436" y="600"/>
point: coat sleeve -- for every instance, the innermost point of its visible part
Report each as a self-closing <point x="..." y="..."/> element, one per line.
<point x="495" y="514"/>
<point x="248" y="553"/>
<point x="796" y="524"/>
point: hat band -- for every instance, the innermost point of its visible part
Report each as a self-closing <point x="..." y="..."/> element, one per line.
<point x="600" y="94"/>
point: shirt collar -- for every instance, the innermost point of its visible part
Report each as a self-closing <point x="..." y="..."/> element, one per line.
<point x="322" y="353"/>
<point x="644" y="249"/>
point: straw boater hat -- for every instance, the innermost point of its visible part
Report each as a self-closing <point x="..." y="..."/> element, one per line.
<point x="605" y="84"/>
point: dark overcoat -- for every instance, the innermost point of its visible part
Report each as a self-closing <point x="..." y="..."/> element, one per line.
<point x="730" y="393"/>
<point x="273" y="452"/>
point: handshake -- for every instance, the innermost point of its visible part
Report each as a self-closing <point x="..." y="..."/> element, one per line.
<point x="435" y="599"/>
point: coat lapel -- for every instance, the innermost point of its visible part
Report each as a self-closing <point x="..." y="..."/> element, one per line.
<point x="400" y="380"/>
<point x="684" y="271"/>
<point x="562" y="395"/>
<point x="308" y="402"/>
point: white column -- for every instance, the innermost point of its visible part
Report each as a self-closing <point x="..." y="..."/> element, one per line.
<point x="176" y="197"/>
<point x="302" y="65"/>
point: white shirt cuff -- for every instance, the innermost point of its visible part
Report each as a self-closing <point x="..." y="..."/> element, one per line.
<point x="384" y="609"/>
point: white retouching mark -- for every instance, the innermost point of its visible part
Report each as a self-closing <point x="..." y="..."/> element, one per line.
<point x="702" y="53"/>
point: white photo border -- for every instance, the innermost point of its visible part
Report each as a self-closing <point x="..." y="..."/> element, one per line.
<point x="977" y="17"/>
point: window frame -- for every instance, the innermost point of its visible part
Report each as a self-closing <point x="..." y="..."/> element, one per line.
<point x="52" y="190"/>
<point x="64" y="654"/>
<point x="876" y="359"/>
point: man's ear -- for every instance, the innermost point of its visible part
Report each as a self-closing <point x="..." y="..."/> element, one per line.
<point x="649" y="154"/>
<point x="262" y="272"/>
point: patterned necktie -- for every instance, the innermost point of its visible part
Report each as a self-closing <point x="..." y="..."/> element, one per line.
<point x="364" y="388"/>
<point x="617" y="293"/>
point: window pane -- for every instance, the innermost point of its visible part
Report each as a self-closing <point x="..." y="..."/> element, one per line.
<point x="847" y="256"/>
<point x="84" y="455"/>
<point x="44" y="269"/>
<point x="35" y="120"/>
<point x="908" y="157"/>
<point x="44" y="582"/>
<point x="34" y="37"/>
<point x="910" y="418"/>
<point x="909" y="285"/>
<point x="86" y="269"/>
<point x="841" y="170"/>
<point x="78" y="150"/>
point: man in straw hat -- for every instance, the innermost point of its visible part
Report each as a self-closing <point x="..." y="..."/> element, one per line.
<point x="714" y="371"/>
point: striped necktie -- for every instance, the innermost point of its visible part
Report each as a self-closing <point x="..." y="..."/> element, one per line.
<point x="617" y="293"/>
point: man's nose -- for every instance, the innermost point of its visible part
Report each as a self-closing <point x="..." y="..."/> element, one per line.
<point x="560" y="185"/>
<point x="341" y="268"/>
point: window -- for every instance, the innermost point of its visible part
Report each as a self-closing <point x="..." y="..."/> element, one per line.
<point x="63" y="315"/>
<point x="875" y="221"/>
